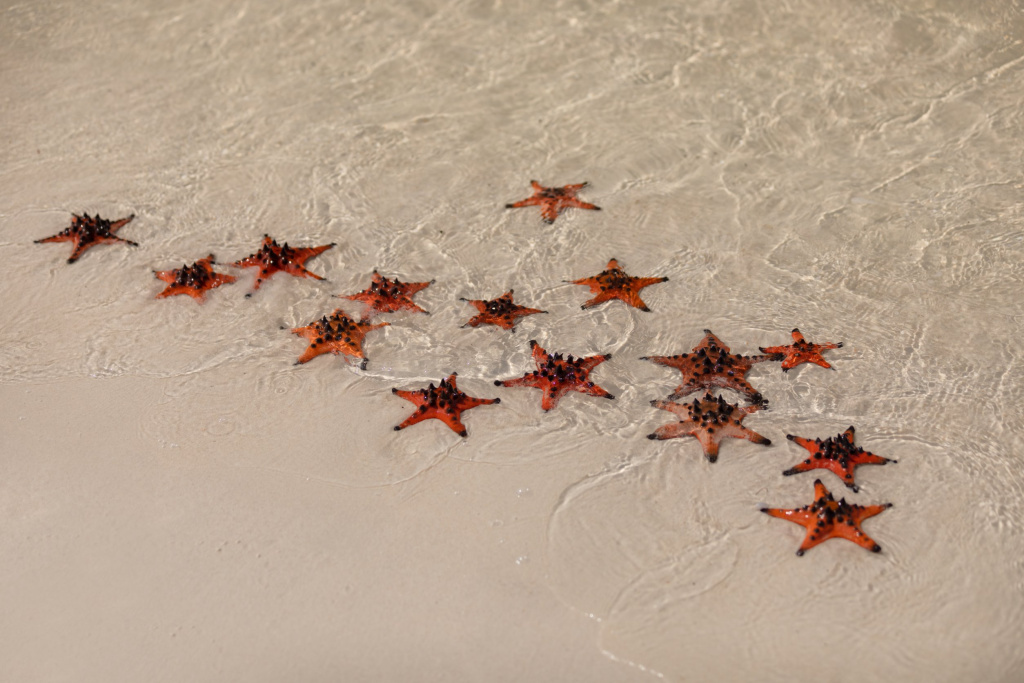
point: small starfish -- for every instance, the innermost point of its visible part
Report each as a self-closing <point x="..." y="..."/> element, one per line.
<point x="711" y="365"/>
<point x="86" y="230"/>
<point x="613" y="283"/>
<point x="800" y="351"/>
<point x="273" y="257"/>
<point x="444" y="402"/>
<point x="556" y="377"/>
<point x="387" y="296"/>
<point x="825" y="519"/>
<point x="554" y="200"/>
<point x="335" y="334"/>
<point x="836" y="453"/>
<point x="709" y="420"/>
<point x="502" y="312"/>
<point x="193" y="280"/>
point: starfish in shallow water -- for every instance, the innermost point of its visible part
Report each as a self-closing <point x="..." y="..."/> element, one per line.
<point x="825" y="518"/>
<point x="800" y="351"/>
<point x="387" y="296"/>
<point x="273" y="257"/>
<point x="614" y="283"/>
<point x="709" y="420"/>
<point x="193" y="280"/>
<point x="556" y="376"/>
<point x="444" y="402"/>
<point x="335" y="334"/>
<point x="86" y="231"/>
<point x="554" y="200"/>
<point x="837" y="454"/>
<point x="502" y="312"/>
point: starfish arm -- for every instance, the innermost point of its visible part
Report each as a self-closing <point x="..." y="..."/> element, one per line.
<point x="673" y="430"/>
<point x="711" y="339"/>
<point x="580" y="204"/>
<point x="798" y="338"/>
<point x="410" y="288"/>
<point x="741" y="432"/>
<point x="592" y="389"/>
<point x="862" y="512"/>
<point x="79" y="249"/>
<point x="709" y="442"/>
<point x="314" y="350"/>
<point x="59" y="237"/>
<point x="569" y="188"/>
<point x="591" y="362"/>
<point x="551" y="397"/>
<point x="550" y="211"/>
<point x="812" y="446"/>
<point x="774" y="351"/>
<point x="685" y="389"/>
<point x="805" y="466"/>
<point x="301" y="271"/>
<point x="668" y="361"/>
<point x="538" y="353"/>
<point x="475" y="321"/>
<point x="849" y="434"/>
<point x="606" y="295"/>
<point x="817" y="360"/>
<point x="480" y="304"/>
<point x="671" y="406"/>
<point x="467" y="402"/>
<point x="867" y="458"/>
<point x="412" y="396"/>
<point x="530" y="201"/>
<point x="591" y="282"/>
<point x="415" y="418"/>
<point x="168" y="276"/>
<point x="632" y="297"/>
<point x="528" y="380"/>
<point x="800" y="516"/>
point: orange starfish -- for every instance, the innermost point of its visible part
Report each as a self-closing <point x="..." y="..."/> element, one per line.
<point x="554" y="200"/>
<point x="837" y="454"/>
<point x="502" y="312"/>
<point x="387" y="296"/>
<point x="335" y="334"/>
<point x="444" y="402"/>
<point x="273" y="257"/>
<point x="800" y="351"/>
<point x="709" y="420"/>
<point x="556" y="376"/>
<point x="193" y="280"/>
<point x="613" y="283"/>
<point x="86" y="230"/>
<point x="825" y="519"/>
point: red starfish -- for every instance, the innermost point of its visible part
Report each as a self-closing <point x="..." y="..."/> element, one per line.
<point x="86" y="230"/>
<point x="709" y="420"/>
<point x="387" y="296"/>
<point x="554" y="200"/>
<point x="711" y="365"/>
<point x="445" y="403"/>
<point x="613" y="283"/>
<point x="825" y="519"/>
<point x="273" y="257"/>
<point x="800" y="351"/>
<point x="502" y="312"/>
<point x="556" y="377"/>
<point x="193" y="280"/>
<point x="836" y="453"/>
<point x="335" y="334"/>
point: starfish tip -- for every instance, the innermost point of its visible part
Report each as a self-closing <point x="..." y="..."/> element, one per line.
<point x="497" y="382"/>
<point x="876" y="548"/>
<point x="610" y="396"/>
<point x="497" y="401"/>
<point x="394" y="390"/>
<point x="652" y="436"/>
<point x="464" y="433"/>
<point x="800" y="553"/>
<point x="644" y="308"/>
<point x="398" y="428"/>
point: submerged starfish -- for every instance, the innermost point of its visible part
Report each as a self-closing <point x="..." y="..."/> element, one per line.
<point x="554" y="200"/>
<point x="273" y="257"/>
<point x="711" y="365"/>
<point x="193" y="280"/>
<point x="613" y="283"/>
<point x="825" y="519"/>
<point x="800" y="351"/>
<point x="387" y="296"/>
<point x="86" y="230"/>
<point x="335" y="334"/>
<point x="556" y="377"/>
<point x="837" y="454"/>
<point x="502" y="312"/>
<point x="444" y="402"/>
<point x="709" y="420"/>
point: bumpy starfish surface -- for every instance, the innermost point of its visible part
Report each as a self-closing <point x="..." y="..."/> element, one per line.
<point x="825" y="518"/>
<point x="800" y="351"/>
<point x="193" y="280"/>
<point x="335" y="334"/>
<point x="502" y="312"/>
<point x="387" y="296"/>
<point x="554" y="200"/>
<point x="86" y="231"/>
<point x="709" y="420"/>
<point x="444" y="402"/>
<point x="837" y="454"/>
<point x="556" y="376"/>
<point x="614" y="283"/>
<point x="711" y="365"/>
<point x="273" y="257"/>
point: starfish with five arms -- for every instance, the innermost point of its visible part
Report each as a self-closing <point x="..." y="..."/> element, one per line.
<point x="614" y="283"/>
<point x="444" y="402"/>
<point x="556" y="376"/>
<point x="502" y="312"/>
<point x="709" y="420"/>
<point x="800" y="351"/>
<point x="273" y="257"/>
<point x="86" y="231"/>
<point x="554" y="200"/>
<point x="193" y="280"/>
<point x="335" y="334"/>
<point x="388" y="296"/>
<point x="837" y="454"/>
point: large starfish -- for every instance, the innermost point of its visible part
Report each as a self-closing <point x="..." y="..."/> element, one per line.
<point x="825" y="518"/>
<point x="502" y="312"/>
<point x="86" y="231"/>
<point x="837" y="454"/>
<point x="444" y="402"/>
<point x="614" y="283"/>
<point x="709" y="420"/>
<point x="800" y="351"/>
<point x="556" y="376"/>
<point x="193" y="280"/>
<point x="554" y="200"/>
<point x="335" y="334"/>
<point x="709" y="365"/>
<point x="387" y="296"/>
<point x="273" y="257"/>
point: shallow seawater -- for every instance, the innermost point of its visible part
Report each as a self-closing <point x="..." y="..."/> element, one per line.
<point x="849" y="169"/>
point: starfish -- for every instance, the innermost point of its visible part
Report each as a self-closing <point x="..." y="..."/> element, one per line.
<point x="709" y="365"/>
<point x="556" y="376"/>
<point x="800" y="351"/>
<point x="387" y="296"/>
<point x="86" y="230"/>
<point x="502" y="312"/>
<point x="554" y="200"/>
<point x="273" y="257"/>
<point x="709" y="420"/>
<point x="335" y="334"/>
<point x="836" y="453"/>
<point x="825" y="519"/>
<point x="613" y="283"/>
<point x="193" y="280"/>
<point x="444" y="402"/>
